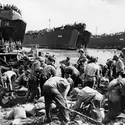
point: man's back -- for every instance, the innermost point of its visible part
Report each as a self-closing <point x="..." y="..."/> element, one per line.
<point x="58" y="83"/>
<point x="54" y="82"/>
<point x="91" y="92"/>
<point x="119" y="65"/>
<point x="92" y="69"/>
<point x="73" y="70"/>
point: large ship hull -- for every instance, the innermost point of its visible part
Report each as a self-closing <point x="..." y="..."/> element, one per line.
<point x="12" y="26"/>
<point x="114" y="41"/>
<point x="68" y="38"/>
<point x="60" y="39"/>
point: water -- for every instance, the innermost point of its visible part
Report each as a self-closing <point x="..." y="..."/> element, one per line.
<point x="102" y="55"/>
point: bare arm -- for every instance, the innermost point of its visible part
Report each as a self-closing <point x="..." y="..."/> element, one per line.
<point x="66" y="92"/>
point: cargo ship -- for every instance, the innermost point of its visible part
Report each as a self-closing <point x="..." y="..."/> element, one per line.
<point x="65" y="37"/>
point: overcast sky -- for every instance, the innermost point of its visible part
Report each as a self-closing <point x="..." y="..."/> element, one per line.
<point x="100" y="16"/>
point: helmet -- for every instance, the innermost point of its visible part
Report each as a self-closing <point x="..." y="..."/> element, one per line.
<point x="81" y="50"/>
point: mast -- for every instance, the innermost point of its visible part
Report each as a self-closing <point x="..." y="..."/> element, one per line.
<point x="49" y="23"/>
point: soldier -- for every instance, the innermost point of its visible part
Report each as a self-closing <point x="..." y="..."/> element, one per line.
<point x="66" y="61"/>
<point x="34" y="84"/>
<point x="119" y="64"/>
<point x="81" y="55"/>
<point x="23" y="79"/>
<point x="56" y="89"/>
<point x="92" y="73"/>
<point x="74" y="74"/>
<point x="86" y="96"/>
<point x="9" y="78"/>
<point x="116" y="98"/>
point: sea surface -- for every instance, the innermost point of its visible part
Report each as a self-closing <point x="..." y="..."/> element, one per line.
<point x="102" y="54"/>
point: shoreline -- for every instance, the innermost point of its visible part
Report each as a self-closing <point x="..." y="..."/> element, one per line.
<point x="102" y="54"/>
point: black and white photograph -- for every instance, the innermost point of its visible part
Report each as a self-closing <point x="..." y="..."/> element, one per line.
<point x="62" y="62"/>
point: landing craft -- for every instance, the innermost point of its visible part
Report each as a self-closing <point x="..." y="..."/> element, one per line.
<point x="12" y="30"/>
<point x="67" y="37"/>
<point x="12" y="25"/>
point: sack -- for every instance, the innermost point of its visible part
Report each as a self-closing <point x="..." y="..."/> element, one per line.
<point x="23" y="89"/>
<point x="41" y="99"/>
<point x="53" y="106"/>
<point x="10" y="115"/>
<point x="96" y="114"/>
<point x="114" y="96"/>
<point x="19" y="113"/>
<point x="39" y="105"/>
<point x="16" y="122"/>
<point x="29" y="108"/>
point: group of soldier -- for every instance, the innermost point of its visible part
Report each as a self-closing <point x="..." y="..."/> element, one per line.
<point x="10" y="7"/>
<point x="86" y="82"/>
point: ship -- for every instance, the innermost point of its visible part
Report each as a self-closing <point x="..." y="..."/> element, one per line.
<point x="12" y="30"/>
<point x="12" y="24"/>
<point x="67" y="37"/>
<point x="108" y="41"/>
<point x="64" y="37"/>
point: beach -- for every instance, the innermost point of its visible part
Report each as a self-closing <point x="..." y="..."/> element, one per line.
<point x="102" y="54"/>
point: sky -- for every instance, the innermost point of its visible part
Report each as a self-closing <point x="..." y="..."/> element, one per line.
<point x="100" y="16"/>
